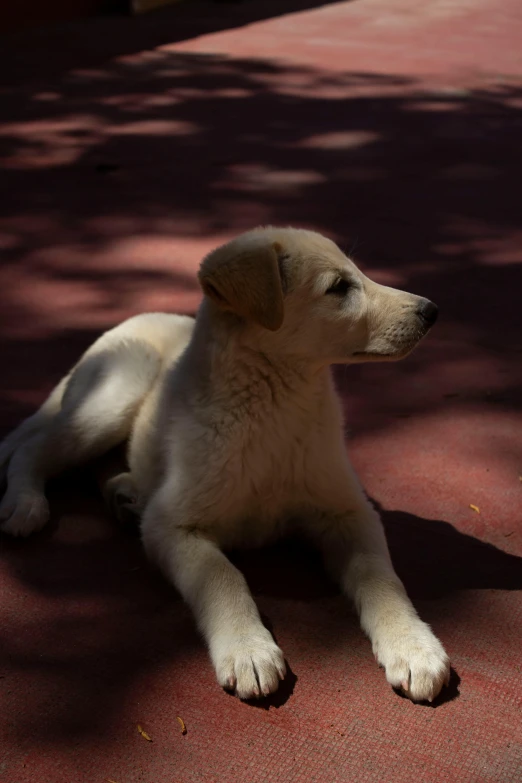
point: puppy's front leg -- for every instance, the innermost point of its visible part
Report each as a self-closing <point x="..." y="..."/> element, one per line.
<point x="356" y="550"/>
<point x="244" y="654"/>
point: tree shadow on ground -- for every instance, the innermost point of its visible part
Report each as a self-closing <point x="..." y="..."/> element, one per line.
<point x="87" y="41"/>
<point x="109" y="174"/>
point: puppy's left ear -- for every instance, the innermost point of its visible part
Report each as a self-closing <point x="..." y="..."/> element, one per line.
<point x="243" y="277"/>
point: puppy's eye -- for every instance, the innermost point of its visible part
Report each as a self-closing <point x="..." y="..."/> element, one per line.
<point x="339" y="288"/>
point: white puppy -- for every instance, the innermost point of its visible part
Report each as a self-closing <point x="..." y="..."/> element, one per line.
<point x="235" y="435"/>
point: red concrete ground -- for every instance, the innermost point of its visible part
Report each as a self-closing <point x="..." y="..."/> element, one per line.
<point x="129" y="148"/>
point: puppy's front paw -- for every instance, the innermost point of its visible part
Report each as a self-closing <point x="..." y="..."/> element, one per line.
<point x="415" y="661"/>
<point x="24" y="515"/>
<point x="249" y="664"/>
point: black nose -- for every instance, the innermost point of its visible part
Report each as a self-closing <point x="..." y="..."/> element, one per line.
<point x="428" y="312"/>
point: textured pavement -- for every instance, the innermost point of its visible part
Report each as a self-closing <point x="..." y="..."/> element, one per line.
<point x="128" y="149"/>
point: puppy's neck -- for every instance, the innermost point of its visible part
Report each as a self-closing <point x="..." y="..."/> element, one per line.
<point x="237" y="365"/>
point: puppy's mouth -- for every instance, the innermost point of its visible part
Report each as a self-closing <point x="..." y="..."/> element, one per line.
<point x="387" y="356"/>
<point x="373" y="356"/>
<point x="391" y="351"/>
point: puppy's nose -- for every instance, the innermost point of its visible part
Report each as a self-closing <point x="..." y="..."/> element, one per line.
<point x="428" y="312"/>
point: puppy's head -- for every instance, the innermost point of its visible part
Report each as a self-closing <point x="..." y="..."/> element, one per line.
<point x="294" y="292"/>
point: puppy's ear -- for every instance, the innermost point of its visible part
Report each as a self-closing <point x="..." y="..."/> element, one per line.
<point x="244" y="278"/>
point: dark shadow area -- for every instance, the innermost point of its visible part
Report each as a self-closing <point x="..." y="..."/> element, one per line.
<point x="281" y="696"/>
<point x="87" y="41"/>
<point x="290" y="569"/>
<point x="447" y="694"/>
<point x="114" y="619"/>
<point x="434" y="559"/>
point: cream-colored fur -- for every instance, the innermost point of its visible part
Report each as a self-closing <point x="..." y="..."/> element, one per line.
<point x="234" y="437"/>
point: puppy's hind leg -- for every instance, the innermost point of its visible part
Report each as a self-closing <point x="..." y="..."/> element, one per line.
<point x="29" y="428"/>
<point x="97" y="411"/>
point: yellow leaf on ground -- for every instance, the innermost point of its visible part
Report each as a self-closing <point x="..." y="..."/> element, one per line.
<point x="144" y="734"/>
<point x="182" y="724"/>
<point x="474" y="508"/>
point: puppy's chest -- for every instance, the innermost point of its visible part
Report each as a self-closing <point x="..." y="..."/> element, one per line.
<point x="263" y="478"/>
<point x="248" y="474"/>
<point x="271" y="460"/>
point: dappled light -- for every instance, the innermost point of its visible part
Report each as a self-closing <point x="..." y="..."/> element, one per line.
<point x="122" y="177"/>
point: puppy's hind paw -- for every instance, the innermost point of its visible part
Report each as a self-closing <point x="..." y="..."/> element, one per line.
<point x="25" y="515"/>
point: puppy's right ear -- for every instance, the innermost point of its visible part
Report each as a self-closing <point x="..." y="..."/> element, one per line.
<point x="243" y="277"/>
